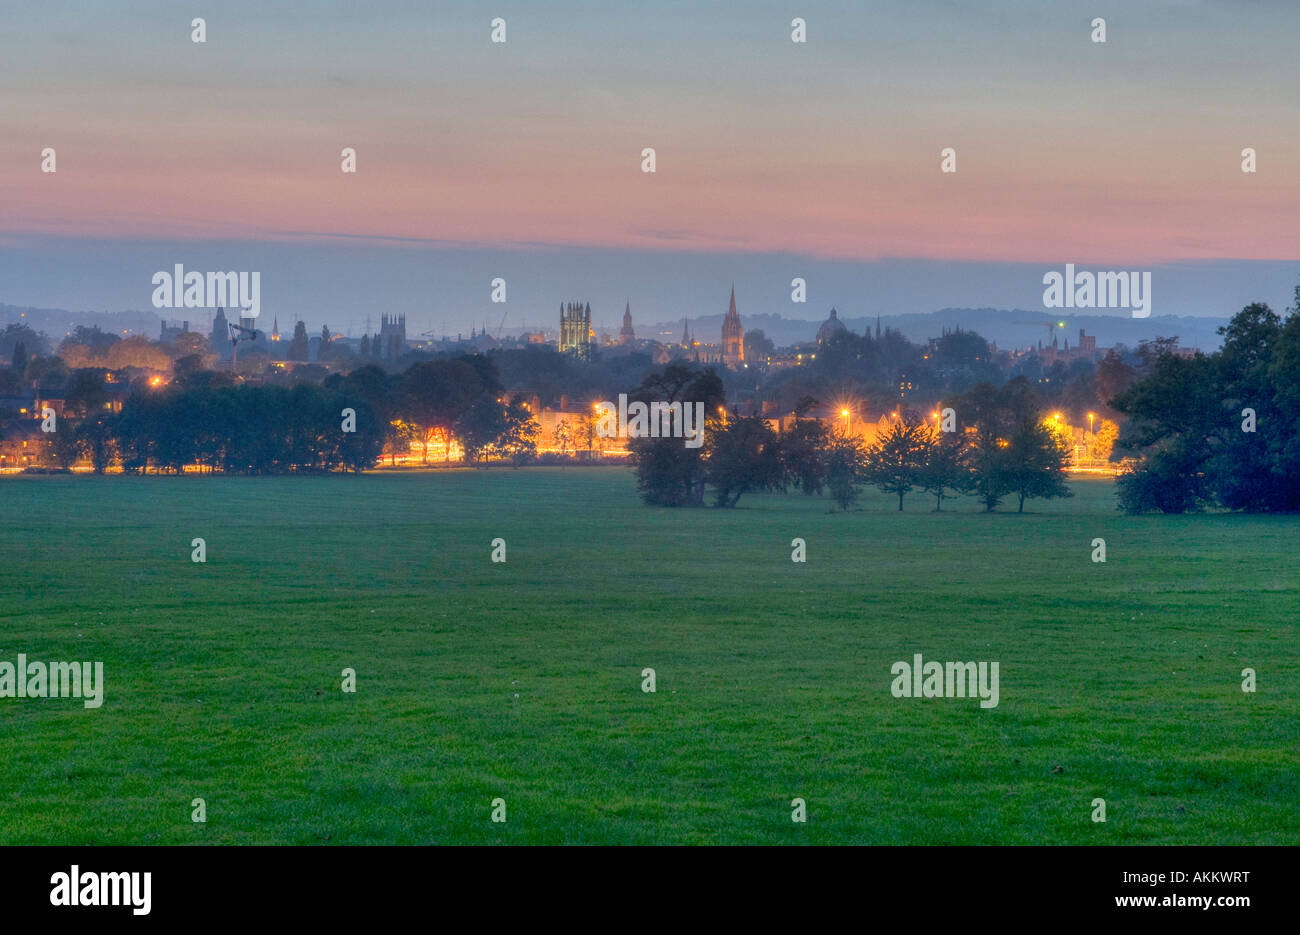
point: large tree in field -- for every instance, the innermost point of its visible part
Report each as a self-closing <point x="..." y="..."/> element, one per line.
<point x="1175" y="420"/>
<point x="989" y="468"/>
<point x="803" y="444"/>
<point x="1284" y="378"/>
<point x="945" y="473"/>
<point x="897" y="458"/>
<point x="845" y="464"/>
<point x="480" y="426"/>
<point x="667" y="472"/>
<point x="518" y="438"/>
<point x="1248" y="466"/>
<point x="1219" y="430"/>
<point x="1004" y="452"/>
<point x="1036" y="459"/>
<point x="743" y="456"/>
<point x="96" y="433"/>
<point x="66" y="444"/>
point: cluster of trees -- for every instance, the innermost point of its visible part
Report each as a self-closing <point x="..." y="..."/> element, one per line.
<point x="444" y="400"/>
<point x="89" y="352"/>
<point x="1002" y="446"/>
<point x="1221" y="430"/>
<point x="346" y="423"/>
<point x="238" y="430"/>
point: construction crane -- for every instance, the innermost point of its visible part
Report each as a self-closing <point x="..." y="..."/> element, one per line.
<point x="239" y="333"/>
<point x="502" y="325"/>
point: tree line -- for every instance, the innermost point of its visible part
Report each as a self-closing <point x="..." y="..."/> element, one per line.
<point x="1219" y="430"/>
<point x="206" y="419"/>
<point x="1000" y="446"/>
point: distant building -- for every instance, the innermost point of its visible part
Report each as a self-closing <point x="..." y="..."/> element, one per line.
<point x="733" y="336"/>
<point x="392" y="337"/>
<point x="173" y="330"/>
<point x="831" y="327"/>
<point x="275" y="330"/>
<point x="221" y="334"/>
<point x="627" y="335"/>
<point x="24" y="445"/>
<point x="575" y="330"/>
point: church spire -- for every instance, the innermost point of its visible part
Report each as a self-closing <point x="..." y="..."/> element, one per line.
<point x="627" y="334"/>
<point x="733" y="339"/>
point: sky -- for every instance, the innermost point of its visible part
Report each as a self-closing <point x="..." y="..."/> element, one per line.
<point x="523" y="159"/>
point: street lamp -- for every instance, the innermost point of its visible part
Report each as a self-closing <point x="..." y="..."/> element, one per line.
<point x="1091" y="416"/>
<point x="845" y="414"/>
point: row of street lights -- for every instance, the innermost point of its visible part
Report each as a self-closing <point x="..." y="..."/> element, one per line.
<point x="1056" y="416"/>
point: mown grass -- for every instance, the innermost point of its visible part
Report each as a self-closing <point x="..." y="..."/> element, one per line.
<point x="523" y="680"/>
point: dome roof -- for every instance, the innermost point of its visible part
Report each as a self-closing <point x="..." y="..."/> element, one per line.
<point x="830" y="328"/>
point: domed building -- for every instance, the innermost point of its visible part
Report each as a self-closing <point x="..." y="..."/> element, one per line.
<point x="831" y="327"/>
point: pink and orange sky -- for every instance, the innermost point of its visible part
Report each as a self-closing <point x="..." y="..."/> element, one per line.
<point x="1123" y="153"/>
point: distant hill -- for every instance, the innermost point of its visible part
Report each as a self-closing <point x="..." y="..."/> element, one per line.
<point x="57" y="322"/>
<point x="1002" y="326"/>
<point x="999" y="325"/>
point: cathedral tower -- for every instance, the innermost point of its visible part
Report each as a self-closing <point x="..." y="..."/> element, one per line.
<point x="575" y="330"/>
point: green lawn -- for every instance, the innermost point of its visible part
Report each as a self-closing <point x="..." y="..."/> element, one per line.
<point x="523" y="680"/>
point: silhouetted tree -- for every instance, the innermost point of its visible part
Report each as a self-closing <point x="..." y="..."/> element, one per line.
<point x="896" y="460"/>
<point x="846" y="463"/>
<point x="743" y="455"/>
<point x="299" y="346"/>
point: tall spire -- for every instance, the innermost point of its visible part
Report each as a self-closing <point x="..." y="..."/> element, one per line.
<point x="733" y="340"/>
<point x="627" y="333"/>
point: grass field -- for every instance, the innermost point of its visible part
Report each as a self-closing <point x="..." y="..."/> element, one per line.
<point x="523" y="680"/>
